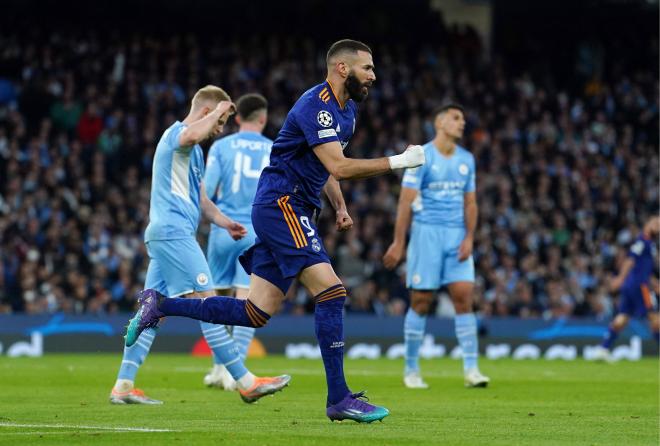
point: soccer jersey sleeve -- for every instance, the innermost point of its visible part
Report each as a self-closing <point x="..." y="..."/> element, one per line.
<point x="317" y="124"/>
<point x="471" y="183"/>
<point x="412" y="178"/>
<point x="173" y="137"/>
<point x="637" y="249"/>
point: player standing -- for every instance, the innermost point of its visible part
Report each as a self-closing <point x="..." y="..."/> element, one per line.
<point x="441" y="196"/>
<point x="233" y="168"/>
<point x="307" y="156"/>
<point x="633" y="280"/>
<point x="177" y="265"/>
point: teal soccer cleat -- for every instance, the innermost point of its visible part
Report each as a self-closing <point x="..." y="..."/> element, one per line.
<point x="356" y="409"/>
<point x="147" y="316"/>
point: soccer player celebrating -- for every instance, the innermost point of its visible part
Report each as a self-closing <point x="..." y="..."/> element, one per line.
<point x="177" y="265"/>
<point x="633" y="282"/>
<point x="307" y="156"/>
<point x="233" y="168"/>
<point x="441" y="197"/>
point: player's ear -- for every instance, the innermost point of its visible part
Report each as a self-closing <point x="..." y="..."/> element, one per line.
<point x="343" y="69"/>
<point x="238" y="119"/>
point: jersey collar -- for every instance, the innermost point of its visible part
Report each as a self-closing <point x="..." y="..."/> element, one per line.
<point x="335" y="95"/>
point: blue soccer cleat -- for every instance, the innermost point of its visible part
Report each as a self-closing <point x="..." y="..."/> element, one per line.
<point x="147" y="316"/>
<point x="356" y="409"/>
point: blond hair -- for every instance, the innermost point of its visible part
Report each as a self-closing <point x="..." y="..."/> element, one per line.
<point x="209" y="94"/>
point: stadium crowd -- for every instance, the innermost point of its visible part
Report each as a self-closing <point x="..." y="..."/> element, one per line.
<point x="566" y="172"/>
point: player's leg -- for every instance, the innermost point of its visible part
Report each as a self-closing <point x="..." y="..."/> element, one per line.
<point x="654" y="322"/>
<point x="330" y="295"/>
<point x="414" y="327"/>
<point x="424" y="270"/>
<point x="218" y="376"/>
<point x="465" y="325"/>
<point x="630" y="301"/>
<point x="124" y="391"/>
<point x="459" y="278"/>
<point x="221" y="257"/>
<point x="243" y="335"/>
<point x="650" y="310"/>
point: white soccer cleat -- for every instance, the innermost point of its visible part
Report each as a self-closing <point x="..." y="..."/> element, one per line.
<point x="474" y="378"/>
<point x="133" y="396"/>
<point x="602" y="354"/>
<point x="220" y="377"/>
<point x="414" y="380"/>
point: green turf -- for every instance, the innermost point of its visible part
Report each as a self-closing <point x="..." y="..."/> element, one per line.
<point x="529" y="402"/>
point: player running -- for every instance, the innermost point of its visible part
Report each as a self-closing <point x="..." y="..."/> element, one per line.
<point x="307" y="156"/>
<point x="633" y="280"/>
<point x="441" y="197"/>
<point x="177" y="265"/>
<point x="233" y="168"/>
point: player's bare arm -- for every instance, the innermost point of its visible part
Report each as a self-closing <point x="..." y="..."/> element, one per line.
<point x="332" y="190"/>
<point x="210" y="125"/>
<point x="394" y="253"/>
<point x="342" y="168"/>
<point x="211" y="211"/>
<point x="471" y="211"/>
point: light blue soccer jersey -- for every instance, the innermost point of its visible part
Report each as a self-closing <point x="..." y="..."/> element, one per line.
<point x="234" y="165"/>
<point x="174" y="209"/>
<point x="442" y="182"/>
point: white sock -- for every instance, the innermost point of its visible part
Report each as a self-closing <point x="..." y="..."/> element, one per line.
<point x="246" y="381"/>
<point x="123" y="385"/>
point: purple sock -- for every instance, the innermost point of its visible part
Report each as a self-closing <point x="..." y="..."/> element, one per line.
<point x="609" y="339"/>
<point x="329" y="322"/>
<point x="216" y="310"/>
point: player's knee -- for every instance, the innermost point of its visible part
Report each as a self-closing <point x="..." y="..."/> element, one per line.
<point x="256" y="316"/>
<point x="421" y="307"/>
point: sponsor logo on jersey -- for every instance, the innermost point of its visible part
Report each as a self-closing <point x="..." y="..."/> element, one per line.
<point x="327" y="133"/>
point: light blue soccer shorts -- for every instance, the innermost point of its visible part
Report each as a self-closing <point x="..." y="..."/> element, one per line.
<point x="433" y="257"/>
<point x="222" y="254"/>
<point x="177" y="267"/>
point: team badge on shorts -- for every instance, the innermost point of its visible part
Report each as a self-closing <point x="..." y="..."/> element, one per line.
<point x="316" y="246"/>
<point x="416" y="279"/>
<point x="463" y="169"/>
<point x="202" y="279"/>
<point x="324" y="118"/>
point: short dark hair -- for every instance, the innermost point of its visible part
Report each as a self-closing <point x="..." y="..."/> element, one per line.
<point x="446" y="107"/>
<point x="346" y="45"/>
<point x="248" y="104"/>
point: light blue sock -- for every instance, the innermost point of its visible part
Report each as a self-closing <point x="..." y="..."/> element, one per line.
<point x="224" y="349"/>
<point x="135" y="354"/>
<point x="413" y="335"/>
<point x="466" y="333"/>
<point x="243" y="337"/>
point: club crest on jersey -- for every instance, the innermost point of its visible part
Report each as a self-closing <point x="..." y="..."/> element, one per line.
<point x="324" y="118"/>
<point x="316" y="246"/>
<point x="202" y="279"/>
<point x="463" y="169"/>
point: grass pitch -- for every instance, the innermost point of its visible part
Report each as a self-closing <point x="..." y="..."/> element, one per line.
<point x="63" y="399"/>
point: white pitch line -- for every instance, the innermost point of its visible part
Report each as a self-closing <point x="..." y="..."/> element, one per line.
<point x="83" y="427"/>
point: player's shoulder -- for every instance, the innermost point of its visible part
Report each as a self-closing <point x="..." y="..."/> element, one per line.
<point x="170" y="137"/>
<point x="464" y="153"/>
<point x="223" y="142"/>
<point x="316" y="98"/>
